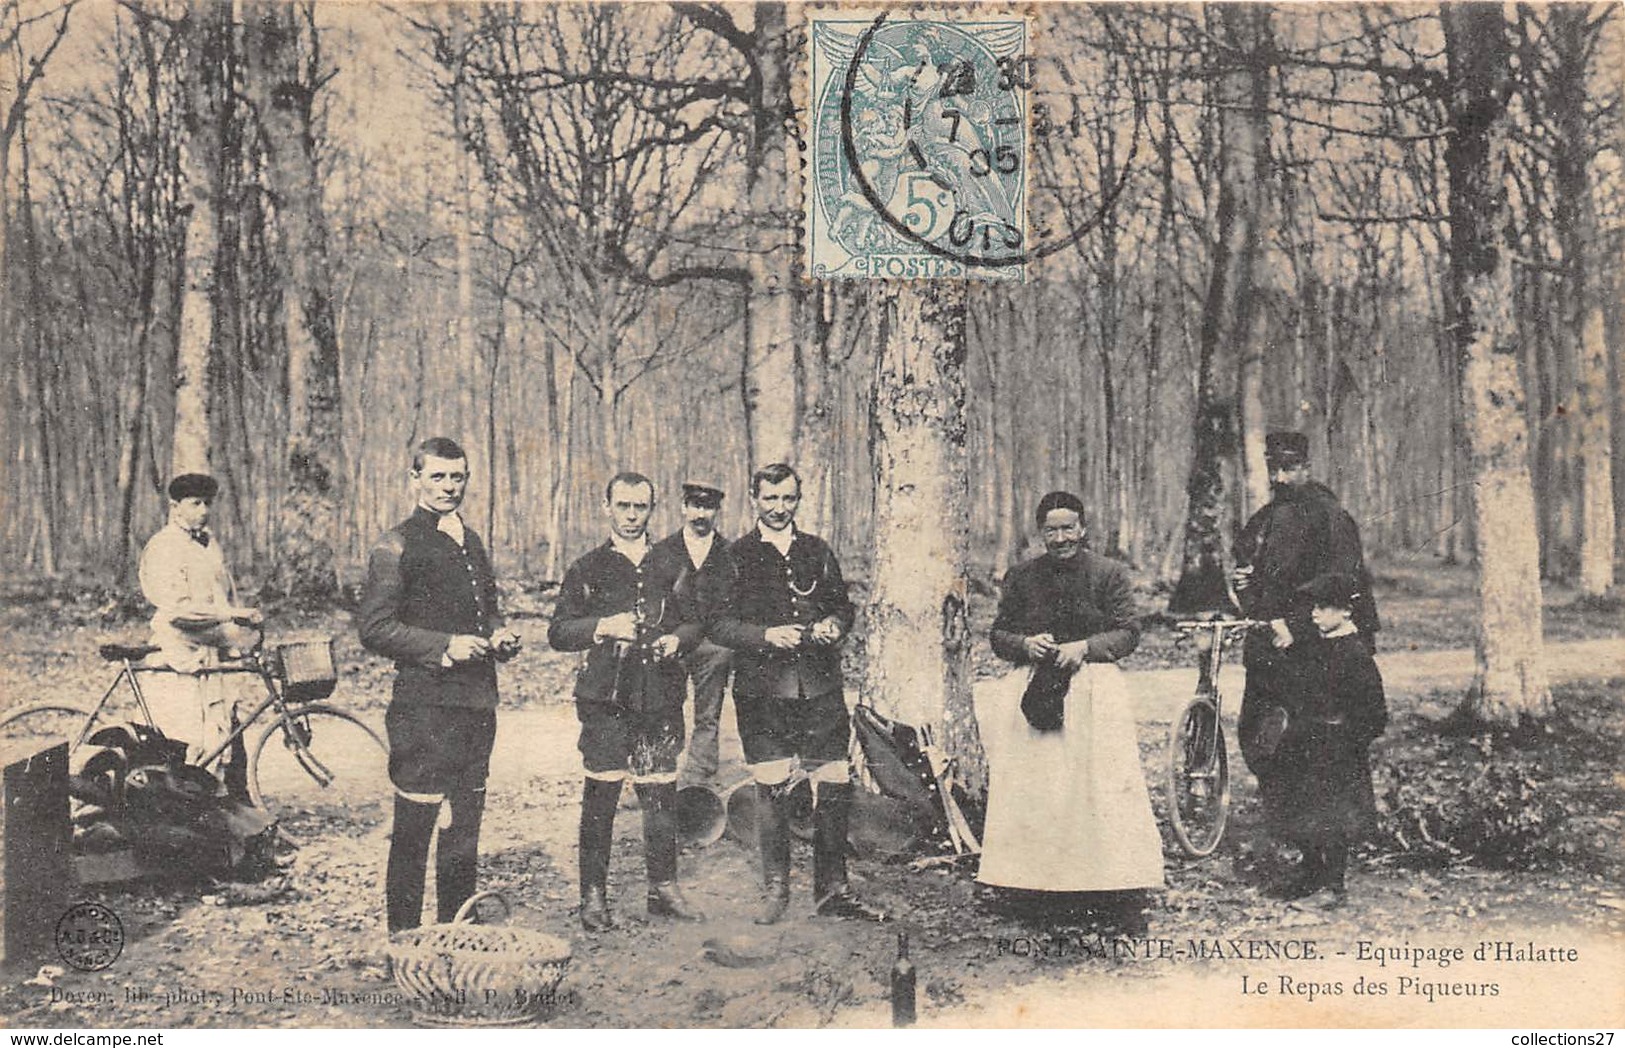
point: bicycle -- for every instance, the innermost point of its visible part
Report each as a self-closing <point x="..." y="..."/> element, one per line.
<point x="1198" y="759"/>
<point x="329" y="766"/>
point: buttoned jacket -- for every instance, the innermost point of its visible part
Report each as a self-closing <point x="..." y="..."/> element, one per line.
<point x="771" y="589"/>
<point x="705" y="585"/>
<point x="604" y="583"/>
<point x="423" y="588"/>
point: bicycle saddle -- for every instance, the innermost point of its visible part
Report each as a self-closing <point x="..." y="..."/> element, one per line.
<point x="114" y="651"/>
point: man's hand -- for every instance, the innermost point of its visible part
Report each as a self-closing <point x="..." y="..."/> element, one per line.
<point x="1280" y="636"/>
<point x="784" y="638"/>
<point x="826" y="631"/>
<point x="666" y="646"/>
<point x="1071" y="656"/>
<point x="247" y="616"/>
<point x="1242" y="577"/>
<point x="465" y="647"/>
<point x="1040" y="647"/>
<point x="505" y="643"/>
<point x="617" y="627"/>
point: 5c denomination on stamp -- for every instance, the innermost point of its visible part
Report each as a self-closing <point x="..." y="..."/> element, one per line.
<point x="919" y="138"/>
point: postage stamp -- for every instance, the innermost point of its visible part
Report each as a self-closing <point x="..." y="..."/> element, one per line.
<point x="918" y="135"/>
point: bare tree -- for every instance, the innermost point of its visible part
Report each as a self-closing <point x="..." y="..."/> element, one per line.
<point x="284" y="73"/>
<point x="208" y="98"/>
<point x="919" y="640"/>
<point x="1230" y="369"/>
<point x="605" y="169"/>
<point x="1511" y="684"/>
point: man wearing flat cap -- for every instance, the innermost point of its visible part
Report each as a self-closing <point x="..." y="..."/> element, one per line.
<point x="197" y="621"/>
<point x="704" y="581"/>
<point x="1303" y="533"/>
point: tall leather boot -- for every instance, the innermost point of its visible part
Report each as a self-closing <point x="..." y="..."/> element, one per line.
<point x="1310" y="876"/>
<point x="659" y="803"/>
<point x="408" y="862"/>
<point x="773" y="836"/>
<point x="457" y="853"/>
<point x="831" y="814"/>
<point x="598" y="801"/>
<point x="1337" y="861"/>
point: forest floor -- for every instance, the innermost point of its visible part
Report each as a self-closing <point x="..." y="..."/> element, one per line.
<point x="1513" y="838"/>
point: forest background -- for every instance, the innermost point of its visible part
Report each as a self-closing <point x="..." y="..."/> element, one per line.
<point x="285" y="242"/>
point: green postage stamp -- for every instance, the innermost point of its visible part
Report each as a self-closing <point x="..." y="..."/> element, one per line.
<point x="919" y="146"/>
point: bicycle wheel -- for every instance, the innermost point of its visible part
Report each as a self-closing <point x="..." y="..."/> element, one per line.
<point x="320" y="770"/>
<point x="1198" y="778"/>
<point x="29" y="729"/>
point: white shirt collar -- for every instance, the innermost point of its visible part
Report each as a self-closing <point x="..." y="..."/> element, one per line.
<point x="779" y="540"/>
<point x="452" y="524"/>
<point x="698" y="549"/>
<point x="632" y="550"/>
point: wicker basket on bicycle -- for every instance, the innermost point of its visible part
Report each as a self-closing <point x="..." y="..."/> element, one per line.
<point x="306" y="668"/>
<point x="464" y="974"/>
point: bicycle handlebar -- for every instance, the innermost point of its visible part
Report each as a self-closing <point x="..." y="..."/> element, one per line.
<point x="1191" y="625"/>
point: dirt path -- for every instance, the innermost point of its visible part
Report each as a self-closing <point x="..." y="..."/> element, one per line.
<point x="543" y="739"/>
<point x="314" y="957"/>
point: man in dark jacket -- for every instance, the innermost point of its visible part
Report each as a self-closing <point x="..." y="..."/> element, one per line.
<point x="704" y="582"/>
<point x="430" y="603"/>
<point x="1301" y="534"/>
<point x="619" y="604"/>
<point x="786" y="617"/>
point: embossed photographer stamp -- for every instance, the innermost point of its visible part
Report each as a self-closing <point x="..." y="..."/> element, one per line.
<point x="919" y="146"/>
<point x="89" y="936"/>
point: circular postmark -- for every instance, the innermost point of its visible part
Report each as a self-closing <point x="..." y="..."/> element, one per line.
<point x="934" y="133"/>
<point x="89" y="936"/>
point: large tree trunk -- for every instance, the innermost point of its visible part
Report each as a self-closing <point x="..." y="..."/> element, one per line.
<point x="835" y="317"/>
<point x="769" y="386"/>
<point x="1573" y="40"/>
<point x="48" y="492"/>
<point x="1511" y="684"/>
<point x="919" y="640"/>
<point x="309" y="519"/>
<point x="1227" y="336"/>
<point x="1597" y="523"/>
<point x="208" y="36"/>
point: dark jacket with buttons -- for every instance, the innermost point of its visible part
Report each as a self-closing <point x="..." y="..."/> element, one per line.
<point x="605" y="583"/>
<point x="705" y="586"/>
<point x="421" y="589"/>
<point x="770" y="589"/>
<point x="1086" y="597"/>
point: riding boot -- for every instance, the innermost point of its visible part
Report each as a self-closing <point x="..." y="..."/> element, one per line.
<point x="457" y="853"/>
<point x="408" y="862"/>
<point x="1337" y="861"/>
<point x="1310" y="876"/>
<point x="235" y="770"/>
<point x="773" y="836"/>
<point x="598" y="800"/>
<point x="834" y="897"/>
<point x="659" y="803"/>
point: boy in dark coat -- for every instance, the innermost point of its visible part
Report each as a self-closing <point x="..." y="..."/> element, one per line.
<point x="1316" y="785"/>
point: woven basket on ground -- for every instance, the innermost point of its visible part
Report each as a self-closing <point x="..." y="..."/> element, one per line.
<point x="463" y="974"/>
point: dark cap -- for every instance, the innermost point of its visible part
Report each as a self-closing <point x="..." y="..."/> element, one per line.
<point x="1331" y="590"/>
<point x="1286" y="448"/>
<point x="193" y="486"/>
<point x="705" y="496"/>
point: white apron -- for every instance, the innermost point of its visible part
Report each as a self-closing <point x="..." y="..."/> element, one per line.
<point x="1067" y="810"/>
